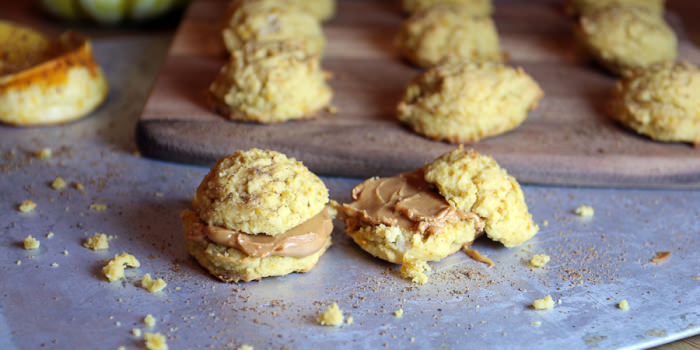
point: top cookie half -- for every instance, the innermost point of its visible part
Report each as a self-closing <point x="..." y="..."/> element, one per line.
<point x="259" y="192"/>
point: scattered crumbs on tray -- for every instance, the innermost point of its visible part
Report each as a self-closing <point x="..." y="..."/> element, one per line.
<point x="584" y="211"/>
<point x="27" y="206"/>
<point x="544" y="303"/>
<point x="43" y="153"/>
<point x="31" y="243"/>
<point x="660" y="256"/>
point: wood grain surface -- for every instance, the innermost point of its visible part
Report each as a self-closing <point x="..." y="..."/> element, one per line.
<point x="568" y="140"/>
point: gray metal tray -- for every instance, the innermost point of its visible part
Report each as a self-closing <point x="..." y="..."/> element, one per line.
<point x="595" y="262"/>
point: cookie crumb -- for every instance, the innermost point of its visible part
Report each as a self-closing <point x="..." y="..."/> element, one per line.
<point x="660" y="256"/>
<point x="544" y="303"/>
<point x="99" y="241"/>
<point x="153" y="286"/>
<point x="78" y="186"/>
<point x="415" y="271"/>
<point x="49" y="235"/>
<point x="155" y="341"/>
<point x="31" y="243"/>
<point x="18" y="262"/>
<point x="149" y="321"/>
<point x="65" y="252"/>
<point x="623" y="305"/>
<point x="350" y="320"/>
<point x="98" y="207"/>
<point x="536" y="323"/>
<point x="136" y="332"/>
<point x="545" y="223"/>
<point x="27" y="206"/>
<point x="413" y="339"/>
<point x="54" y="265"/>
<point x="398" y="313"/>
<point x="474" y="254"/>
<point x="584" y="211"/>
<point x="43" y="153"/>
<point x="114" y="269"/>
<point x="121" y="347"/>
<point x="58" y="184"/>
<point x="245" y="347"/>
<point x="333" y="316"/>
<point x="539" y="260"/>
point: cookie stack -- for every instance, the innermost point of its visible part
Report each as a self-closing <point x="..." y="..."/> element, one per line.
<point x="274" y="71"/>
<point x="257" y="214"/>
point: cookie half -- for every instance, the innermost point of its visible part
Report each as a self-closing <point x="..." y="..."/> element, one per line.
<point x="448" y="33"/>
<point x="259" y="191"/>
<point x="476" y="183"/>
<point x="464" y="102"/>
<point x="404" y="220"/>
<point x="626" y="37"/>
<point x="660" y="101"/>
<point x="270" y="83"/>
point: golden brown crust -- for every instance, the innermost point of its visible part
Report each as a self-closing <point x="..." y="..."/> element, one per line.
<point x="660" y="102"/>
<point x="448" y="102"/>
<point x="625" y="37"/>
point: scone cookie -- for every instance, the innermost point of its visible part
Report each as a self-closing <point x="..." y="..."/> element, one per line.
<point x="464" y="102"/>
<point x="625" y="37"/>
<point x="260" y="21"/>
<point x="475" y="183"/>
<point x="58" y="83"/>
<point x="322" y="10"/>
<point x="584" y="7"/>
<point x="428" y="214"/>
<point x="661" y="101"/>
<point x="475" y="7"/>
<point x="448" y="33"/>
<point x="270" y="83"/>
<point x="258" y="213"/>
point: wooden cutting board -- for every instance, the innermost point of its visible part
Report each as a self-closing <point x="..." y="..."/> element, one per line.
<point x="568" y="140"/>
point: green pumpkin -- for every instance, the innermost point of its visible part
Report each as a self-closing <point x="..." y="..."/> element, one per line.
<point x="110" y="11"/>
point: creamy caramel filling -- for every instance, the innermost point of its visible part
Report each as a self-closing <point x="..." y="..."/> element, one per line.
<point x="405" y="200"/>
<point x="300" y="241"/>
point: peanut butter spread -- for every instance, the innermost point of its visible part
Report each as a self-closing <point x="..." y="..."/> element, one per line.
<point x="405" y="200"/>
<point x="299" y="241"/>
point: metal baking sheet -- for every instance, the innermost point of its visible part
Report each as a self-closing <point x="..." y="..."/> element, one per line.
<point x="596" y="262"/>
